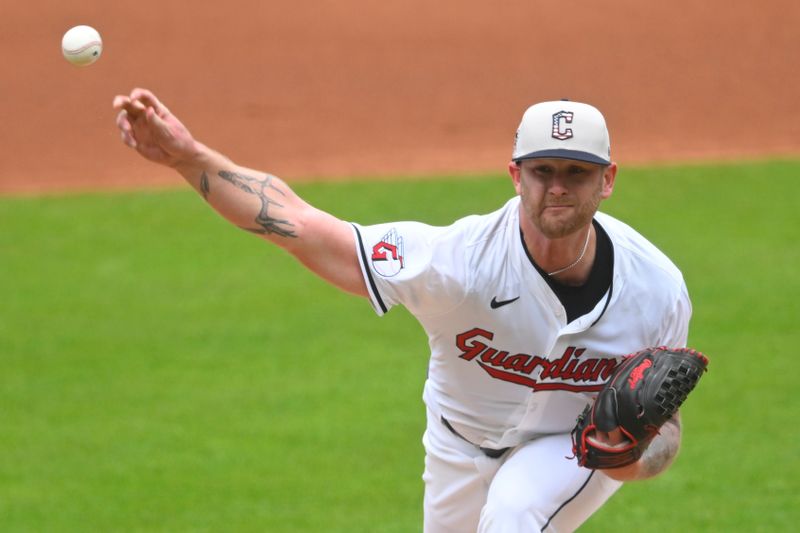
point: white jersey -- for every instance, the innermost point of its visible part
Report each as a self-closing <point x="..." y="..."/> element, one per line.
<point x="505" y="365"/>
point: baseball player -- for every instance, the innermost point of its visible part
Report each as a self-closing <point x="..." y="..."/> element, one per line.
<point x="528" y="310"/>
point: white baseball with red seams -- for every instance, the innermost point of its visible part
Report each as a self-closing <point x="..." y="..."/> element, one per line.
<point x="82" y="45"/>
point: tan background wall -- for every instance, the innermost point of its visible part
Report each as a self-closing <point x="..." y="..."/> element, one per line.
<point x="336" y="88"/>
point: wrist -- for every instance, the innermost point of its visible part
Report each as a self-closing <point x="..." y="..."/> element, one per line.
<point x="629" y="472"/>
<point x="195" y="159"/>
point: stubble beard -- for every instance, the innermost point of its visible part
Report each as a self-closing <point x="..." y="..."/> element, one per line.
<point x="558" y="226"/>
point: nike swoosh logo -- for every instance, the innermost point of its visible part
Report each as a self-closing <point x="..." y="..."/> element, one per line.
<point x="494" y="304"/>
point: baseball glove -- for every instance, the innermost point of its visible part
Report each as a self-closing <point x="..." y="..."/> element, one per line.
<point x="644" y="391"/>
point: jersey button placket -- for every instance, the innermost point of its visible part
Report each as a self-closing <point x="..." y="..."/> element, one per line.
<point x="558" y="311"/>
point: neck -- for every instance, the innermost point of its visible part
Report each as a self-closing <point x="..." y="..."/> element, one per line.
<point x="567" y="259"/>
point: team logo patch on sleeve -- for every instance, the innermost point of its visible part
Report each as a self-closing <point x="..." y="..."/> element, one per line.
<point x="387" y="255"/>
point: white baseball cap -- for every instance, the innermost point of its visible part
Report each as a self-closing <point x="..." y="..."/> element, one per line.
<point x="565" y="130"/>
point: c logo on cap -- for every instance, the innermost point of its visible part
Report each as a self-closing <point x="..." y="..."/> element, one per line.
<point x="559" y="119"/>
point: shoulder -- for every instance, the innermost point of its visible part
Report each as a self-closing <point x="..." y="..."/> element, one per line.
<point x="476" y="231"/>
<point x="645" y="272"/>
<point x="651" y="286"/>
<point x="634" y="254"/>
<point x="463" y="234"/>
<point x="427" y="268"/>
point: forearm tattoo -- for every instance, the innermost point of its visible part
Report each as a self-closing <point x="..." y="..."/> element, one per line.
<point x="663" y="449"/>
<point x="261" y="188"/>
<point x="204" y="186"/>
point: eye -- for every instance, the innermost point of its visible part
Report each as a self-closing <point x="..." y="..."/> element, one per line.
<point x="576" y="170"/>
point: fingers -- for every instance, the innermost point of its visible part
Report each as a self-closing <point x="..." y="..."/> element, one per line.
<point x="613" y="438"/>
<point x="125" y="129"/>
<point x="159" y="127"/>
<point x="120" y="101"/>
<point x="140" y="104"/>
<point x="146" y="125"/>
<point x="123" y="121"/>
<point x="128" y="111"/>
<point x="149" y="99"/>
<point x="138" y="101"/>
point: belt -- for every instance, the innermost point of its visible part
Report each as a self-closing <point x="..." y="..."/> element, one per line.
<point x="488" y="452"/>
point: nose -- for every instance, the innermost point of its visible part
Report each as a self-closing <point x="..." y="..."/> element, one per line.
<point x="558" y="184"/>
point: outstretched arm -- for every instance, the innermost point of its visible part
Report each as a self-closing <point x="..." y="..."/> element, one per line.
<point x="252" y="200"/>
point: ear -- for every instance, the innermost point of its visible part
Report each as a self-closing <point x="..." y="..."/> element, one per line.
<point x="515" y="171"/>
<point x="609" y="176"/>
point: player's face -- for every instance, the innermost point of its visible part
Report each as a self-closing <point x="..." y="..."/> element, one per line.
<point x="560" y="196"/>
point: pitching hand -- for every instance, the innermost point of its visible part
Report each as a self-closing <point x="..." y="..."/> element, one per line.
<point x="147" y="126"/>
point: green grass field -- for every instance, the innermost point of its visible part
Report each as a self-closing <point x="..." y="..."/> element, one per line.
<point x="162" y="371"/>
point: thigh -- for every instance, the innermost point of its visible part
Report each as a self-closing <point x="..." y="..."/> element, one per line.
<point x="457" y="477"/>
<point x="540" y="488"/>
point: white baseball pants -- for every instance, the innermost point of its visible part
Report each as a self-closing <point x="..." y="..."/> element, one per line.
<point x="533" y="487"/>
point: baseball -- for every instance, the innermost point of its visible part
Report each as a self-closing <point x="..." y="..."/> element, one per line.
<point x="82" y="45"/>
